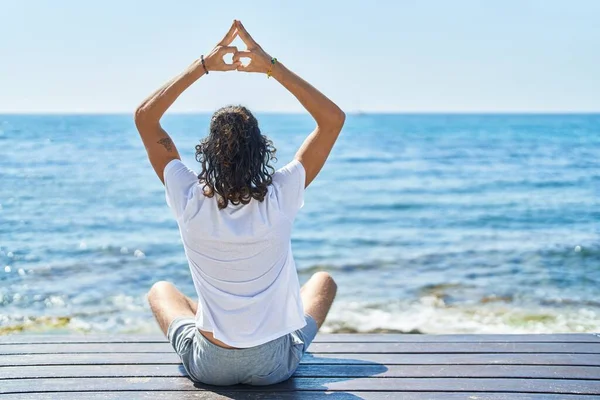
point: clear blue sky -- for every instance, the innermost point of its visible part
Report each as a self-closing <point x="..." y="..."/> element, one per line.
<point x="404" y="55"/>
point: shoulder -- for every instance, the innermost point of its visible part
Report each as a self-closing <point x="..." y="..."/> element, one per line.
<point x="289" y="183"/>
<point x="176" y="172"/>
<point x="179" y="182"/>
<point x="292" y="171"/>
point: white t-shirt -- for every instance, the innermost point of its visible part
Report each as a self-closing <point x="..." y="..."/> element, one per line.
<point x="241" y="257"/>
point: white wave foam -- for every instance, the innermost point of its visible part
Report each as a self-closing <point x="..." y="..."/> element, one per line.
<point x="131" y="314"/>
<point x="432" y="316"/>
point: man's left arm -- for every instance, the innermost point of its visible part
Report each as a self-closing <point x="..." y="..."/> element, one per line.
<point x="159" y="146"/>
<point x="158" y="143"/>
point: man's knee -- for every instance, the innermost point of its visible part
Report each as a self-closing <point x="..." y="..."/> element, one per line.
<point x="325" y="279"/>
<point x="159" y="289"/>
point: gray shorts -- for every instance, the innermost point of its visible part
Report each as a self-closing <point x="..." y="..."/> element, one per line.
<point x="265" y="364"/>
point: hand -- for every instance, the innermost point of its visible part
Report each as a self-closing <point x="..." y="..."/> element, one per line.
<point x="214" y="60"/>
<point x="260" y="61"/>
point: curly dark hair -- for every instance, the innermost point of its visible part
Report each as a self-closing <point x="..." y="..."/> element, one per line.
<point x="235" y="158"/>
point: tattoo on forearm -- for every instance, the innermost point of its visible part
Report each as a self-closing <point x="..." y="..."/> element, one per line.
<point x="167" y="143"/>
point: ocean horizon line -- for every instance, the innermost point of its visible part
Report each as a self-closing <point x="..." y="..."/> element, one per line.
<point x="353" y="112"/>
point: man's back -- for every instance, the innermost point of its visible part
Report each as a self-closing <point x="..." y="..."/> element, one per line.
<point x="240" y="256"/>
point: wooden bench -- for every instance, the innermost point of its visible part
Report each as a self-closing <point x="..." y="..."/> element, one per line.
<point x="338" y="366"/>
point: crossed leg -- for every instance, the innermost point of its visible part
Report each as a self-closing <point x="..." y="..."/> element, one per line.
<point x="168" y="303"/>
<point x="317" y="296"/>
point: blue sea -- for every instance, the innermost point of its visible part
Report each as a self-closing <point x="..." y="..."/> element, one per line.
<point x="429" y="223"/>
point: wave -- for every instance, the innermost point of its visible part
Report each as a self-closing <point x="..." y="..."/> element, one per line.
<point x="430" y="313"/>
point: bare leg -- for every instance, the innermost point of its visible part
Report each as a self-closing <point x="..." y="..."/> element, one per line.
<point x="168" y="303"/>
<point x="317" y="296"/>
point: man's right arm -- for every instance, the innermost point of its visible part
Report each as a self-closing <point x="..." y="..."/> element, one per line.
<point x="329" y="118"/>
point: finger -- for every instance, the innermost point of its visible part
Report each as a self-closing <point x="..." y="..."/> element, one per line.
<point x="230" y="35"/>
<point x="244" y="68"/>
<point x="228" y="49"/>
<point x="231" y="67"/>
<point x="244" y="35"/>
<point x="241" y="54"/>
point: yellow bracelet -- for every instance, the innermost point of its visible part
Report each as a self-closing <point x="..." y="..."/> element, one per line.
<point x="270" y="71"/>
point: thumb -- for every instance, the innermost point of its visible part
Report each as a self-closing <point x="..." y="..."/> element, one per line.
<point x="232" y="67"/>
<point x="244" y="68"/>
<point x="242" y="54"/>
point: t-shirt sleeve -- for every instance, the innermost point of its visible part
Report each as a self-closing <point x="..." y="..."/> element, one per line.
<point x="179" y="181"/>
<point x="289" y="181"/>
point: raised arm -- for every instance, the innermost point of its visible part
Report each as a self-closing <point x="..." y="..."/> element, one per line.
<point x="329" y="117"/>
<point x="158" y="143"/>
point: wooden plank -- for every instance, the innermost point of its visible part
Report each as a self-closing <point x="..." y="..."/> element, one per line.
<point x="90" y="371"/>
<point x="321" y="338"/>
<point x="440" y="348"/>
<point x="315" y="358"/>
<point x="81" y="338"/>
<point x="238" y="395"/>
<point x="459" y="338"/>
<point x="453" y="359"/>
<point x="332" y="348"/>
<point x="311" y="384"/>
<point x="316" y="370"/>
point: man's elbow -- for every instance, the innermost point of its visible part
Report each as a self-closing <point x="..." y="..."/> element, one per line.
<point x="333" y="119"/>
<point x="341" y="118"/>
<point x="337" y="120"/>
<point x="141" y="117"/>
